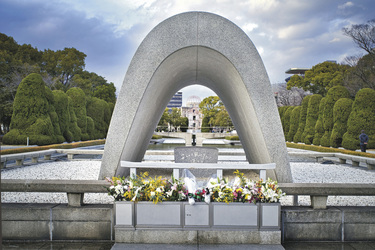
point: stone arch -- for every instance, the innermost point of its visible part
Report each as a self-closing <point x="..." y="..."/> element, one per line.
<point x="196" y="48"/>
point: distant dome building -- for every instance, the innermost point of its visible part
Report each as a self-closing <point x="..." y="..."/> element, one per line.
<point x="192" y="112"/>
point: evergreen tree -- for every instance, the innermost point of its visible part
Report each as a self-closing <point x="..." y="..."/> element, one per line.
<point x="294" y="122"/>
<point x="73" y="126"/>
<point x="311" y="118"/>
<point x="96" y="109"/>
<point x="319" y="128"/>
<point x="333" y="95"/>
<point x="302" y="119"/>
<point x="54" y="117"/>
<point x="62" y="110"/>
<point x="31" y="114"/>
<point x="79" y="106"/>
<point x="362" y="117"/>
<point x="286" y="121"/>
<point x="341" y="112"/>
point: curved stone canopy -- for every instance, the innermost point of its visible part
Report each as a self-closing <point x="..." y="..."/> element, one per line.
<point x="205" y="49"/>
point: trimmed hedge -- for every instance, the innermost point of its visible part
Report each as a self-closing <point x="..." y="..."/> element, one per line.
<point x="319" y="129"/>
<point x="79" y="106"/>
<point x="53" y="146"/>
<point x="99" y="111"/>
<point x="31" y="114"/>
<point x="286" y="121"/>
<point x="294" y="118"/>
<point x="311" y="118"/>
<point x="362" y="117"/>
<point x="302" y="119"/>
<point x="333" y="95"/>
<point x="341" y="112"/>
<point x="62" y="110"/>
<point x="73" y="127"/>
<point x="232" y="138"/>
<point x="327" y="149"/>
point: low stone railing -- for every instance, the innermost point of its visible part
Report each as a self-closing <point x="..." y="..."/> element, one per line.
<point x="319" y="192"/>
<point x="21" y="157"/>
<point x="370" y="162"/>
<point x="71" y="152"/>
<point x="76" y="189"/>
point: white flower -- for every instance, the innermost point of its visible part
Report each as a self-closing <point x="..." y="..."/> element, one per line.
<point x="169" y="193"/>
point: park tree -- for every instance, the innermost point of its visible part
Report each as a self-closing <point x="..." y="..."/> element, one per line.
<point x="222" y="118"/>
<point x="184" y="124"/>
<point x="363" y="35"/>
<point x="363" y="67"/>
<point x="175" y="119"/>
<point x="205" y="125"/>
<point x="333" y="95"/>
<point x="31" y="114"/>
<point x="288" y="97"/>
<point x="311" y="118"/>
<point x="294" y="123"/>
<point x="362" y="117"/>
<point x="361" y="74"/>
<point x="164" y="120"/>
<point x="320" y="78"/>
<point x="106" y="92"/>
<point x="63" y="65"/>
<point x="209" y="107"/>
<point x="302" y="120"/>
<point x="341" y="112"/>
<point x="16" y="62"/>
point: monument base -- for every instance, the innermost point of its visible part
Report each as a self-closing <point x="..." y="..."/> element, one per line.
<point x="175" y="236"/>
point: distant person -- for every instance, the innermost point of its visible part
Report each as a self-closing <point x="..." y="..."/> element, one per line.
<point x="363" y="139"/>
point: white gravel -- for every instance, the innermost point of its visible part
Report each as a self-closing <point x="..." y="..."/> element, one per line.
<point x="302" y="172"/>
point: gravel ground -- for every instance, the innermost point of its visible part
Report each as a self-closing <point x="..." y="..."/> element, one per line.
<point x="89" y="170"/>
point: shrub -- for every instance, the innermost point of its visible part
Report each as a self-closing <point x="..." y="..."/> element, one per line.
<point x="311" y="118"/>
<point x="62" y="110"/>
<point x="286" y="121"/>
<point x="302" y="119"/>
<point x="282" y="111"/>
<point x="294" y="118"/>
<point x="362" y="117"/>
<point x="57" y="146"/>
<point x="73" y="127"/>
<point x="334" y="94"/>
<point x="31" y="114"/>
<point x="79" y="106"/>
<point x="326" y="149"/>
<point x="319" y="129"/>
<point x="90" y="127"/>
<point x="341" y="112"/>
<point x="96" y="109"/>
<point x="232" y="138"/>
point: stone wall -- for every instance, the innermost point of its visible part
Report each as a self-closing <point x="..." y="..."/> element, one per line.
<point x="48" y="222"/>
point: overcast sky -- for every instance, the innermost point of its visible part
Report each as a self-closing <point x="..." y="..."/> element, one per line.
<point x="287" y="33"/>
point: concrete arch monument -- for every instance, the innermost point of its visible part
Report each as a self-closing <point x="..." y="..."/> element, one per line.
<point x="196" y="48"/>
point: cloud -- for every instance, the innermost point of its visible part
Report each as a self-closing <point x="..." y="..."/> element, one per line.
<point x="287" y="33"/>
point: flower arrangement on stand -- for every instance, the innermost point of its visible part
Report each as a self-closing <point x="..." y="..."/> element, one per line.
<point x="158" y="189"/>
